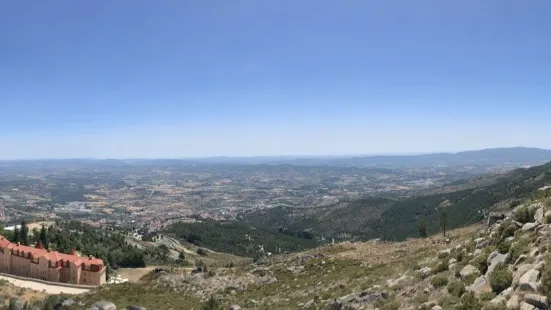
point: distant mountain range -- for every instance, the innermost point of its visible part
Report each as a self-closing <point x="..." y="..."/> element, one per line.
<point x="516" y="156"/>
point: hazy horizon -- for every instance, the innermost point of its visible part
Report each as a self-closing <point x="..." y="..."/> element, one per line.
<point x="289" y="156"/>
<point x="191" y="79"/>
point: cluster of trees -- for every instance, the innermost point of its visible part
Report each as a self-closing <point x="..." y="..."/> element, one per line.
<point x="22" y="235"/>
<point x="239" y="238"/>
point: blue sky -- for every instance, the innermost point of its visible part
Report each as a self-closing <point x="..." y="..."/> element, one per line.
<point x="240" y="78"/>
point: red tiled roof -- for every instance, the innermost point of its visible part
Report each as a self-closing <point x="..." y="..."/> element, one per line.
<point x="50" y="255"/>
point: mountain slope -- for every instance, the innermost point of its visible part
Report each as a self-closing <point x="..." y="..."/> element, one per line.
<point x="398" y="219"/>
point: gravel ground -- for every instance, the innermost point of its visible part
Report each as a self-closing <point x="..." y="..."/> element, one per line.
<point x="47" y="288"/>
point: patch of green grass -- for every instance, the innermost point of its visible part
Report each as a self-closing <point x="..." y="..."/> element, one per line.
<point x="439" y="281"/>
<point x="500" y="278"/>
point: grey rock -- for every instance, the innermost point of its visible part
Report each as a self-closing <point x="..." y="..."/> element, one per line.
<point x="520" y="259"/>
<point x="494" y="259"/>
<point x="237" y="307"/>
<point x="537" y="301"/>
<point x="482" y="244"/>
<point x="467" y="271"/>
<point x="104" y="305"/>
<point x="539" y="216"/>
<point x="529" y="227"/>
<point x="513" y="302"/>
<point x="498" y="300"/>
<point x="528" y="281"/>
<point x="526" y="306"/>
<point x="479" y="286"/>
<point x="392" y="283"/>
<point x="436" y="308"/>
<point x="135" y="308"/>
<point x="425" y="272"/>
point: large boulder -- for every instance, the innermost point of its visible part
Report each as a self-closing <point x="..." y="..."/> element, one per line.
<point x="494" y="259"/>
<point x="526" y="306"/>
<point x="513" y="302"/>
<point x="529" y="281"/>
<point x="104" y="305"/>
<point x="539" y="216"/>
<point x="425" y="272"/>
<point x="529" y="226"/>
<point x="479" y="286"/>
<point x="537" y="301"/>
<point x="468" y="271"/>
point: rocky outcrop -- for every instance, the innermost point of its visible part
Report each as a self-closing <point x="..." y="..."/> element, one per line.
<point x="103" y="305"/>
<point x="468" y="271"/>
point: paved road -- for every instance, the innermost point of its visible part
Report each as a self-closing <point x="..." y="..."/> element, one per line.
<point x="48" y="288"/>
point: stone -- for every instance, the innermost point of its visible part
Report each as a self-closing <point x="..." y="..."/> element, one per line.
<point x="529" y="227"/>
<point x="135" y="308"/>
<point x="537" y="301"/>
<point x="526" y="306"/>
<point x="482" y="244"/>
<point x="436" y="308"/>
<point x="104" y="305"/>
<point x="425" y="272"/>
<point x="479" y="286"/>
<point x="392" y="283"/>
<point x="235" y="307"/>
<point x="467" y="271"/>
<point x="495" y="258"/>
<point x="498" y="300"/>
<point x="507" y="293"/>
<point x="539" y="216"/>
<point x="528" y="281"/>
<point x="513" y="302"/>
<point x="452" y="261"/>
<point x="520" y="259"/>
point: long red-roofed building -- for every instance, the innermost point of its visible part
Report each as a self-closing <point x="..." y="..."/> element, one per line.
<point x="37" y="262"/>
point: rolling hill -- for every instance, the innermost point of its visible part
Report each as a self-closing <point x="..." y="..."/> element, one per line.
<point x="397" y="219"/>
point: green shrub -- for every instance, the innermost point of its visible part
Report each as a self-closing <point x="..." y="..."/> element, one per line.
<point x="548" y="218"/>
<point x="443" y="255"/>
<point x="441" y="267"/>
<point x="456" y="288"/>
<point x="525" y="214"/>
<point x="469" y="302"/>
<point x="480" y="261"/>
<point x="519" y="247"/>
<point x="211" y="304"/>
<point x="439" y="281"/>
<point x="459" y="256"/>
<point x="503" y="247"/>
<point x="201" y="252"/>
<point x="500" y="278"/>
<point x="546" y="276"/>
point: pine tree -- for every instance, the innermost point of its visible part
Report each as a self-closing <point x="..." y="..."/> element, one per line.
<point x="16" y="235"/>
<point x="423" y="228"/>
<point x="44" y="237"/>
<point x="24" y="233"/>
<point x="443" y="221"/>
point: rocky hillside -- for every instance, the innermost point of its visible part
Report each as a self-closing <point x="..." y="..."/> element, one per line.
<point x="504" y="264"/>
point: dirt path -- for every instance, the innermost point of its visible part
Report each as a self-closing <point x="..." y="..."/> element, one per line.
<point x="47" y="288"/>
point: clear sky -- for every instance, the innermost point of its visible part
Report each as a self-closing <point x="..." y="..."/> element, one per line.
<point x="188" y="78"/>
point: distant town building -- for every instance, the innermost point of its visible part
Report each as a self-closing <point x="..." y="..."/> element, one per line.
<point x="39" y="263"/>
